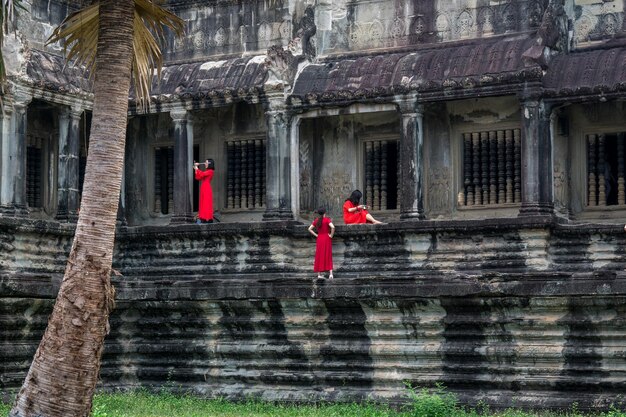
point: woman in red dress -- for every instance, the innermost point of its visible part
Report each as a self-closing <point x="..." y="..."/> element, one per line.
<point x="354" y="213"/>
<point x="324" y="246"/>
<point x="205" y="211"/>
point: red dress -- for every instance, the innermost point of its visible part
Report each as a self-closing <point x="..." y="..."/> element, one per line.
<point x="205" y="211"/>
<point x="355" y="217"/>
<point x="323" y="247"/>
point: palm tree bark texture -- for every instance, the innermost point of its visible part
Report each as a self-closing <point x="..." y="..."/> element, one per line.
<point x="64" y="372"/>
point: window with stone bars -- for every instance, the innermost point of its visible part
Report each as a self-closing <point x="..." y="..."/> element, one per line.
<point x="34" y="165"/>
<point x="245" y="174"/>
<point x="163" y="179"/>
<point x="491" y="168"/>
<point x="605" y="169"/>
<point x="382" y="171"/>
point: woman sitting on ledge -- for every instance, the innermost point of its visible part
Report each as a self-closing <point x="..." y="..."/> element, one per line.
<point x="355" y="213"/>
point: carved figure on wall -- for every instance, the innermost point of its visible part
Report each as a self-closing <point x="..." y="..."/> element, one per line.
<point x="282" y="64"/>
<point x="442" y="24"/>
<point x="485" y="21"/>
<point x="510" y="18"/>
<point x="306" y="32"/>
<point x="265" y="34"/>
<point x="438" y="190"/>
<point x="220" y="37"/>
<point x="397" y="29"/>
<point x="560" y="185"/>
<point x="465" y="24"/>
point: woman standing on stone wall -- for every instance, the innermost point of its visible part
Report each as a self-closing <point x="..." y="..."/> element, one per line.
<point x="354" y="213"/>
<point x="324" y="245"/>
<point x="205" y="210"/>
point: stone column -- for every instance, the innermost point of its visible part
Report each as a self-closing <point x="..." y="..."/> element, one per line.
<point x="278" y="160"/>
<point x="183" y="171"/>
<point x="14" y="159"/>
<point x="411" y="160"/>
<point x="536" y="154"/>
<point x="6" y="184"/>
<point x="69" y="153"/>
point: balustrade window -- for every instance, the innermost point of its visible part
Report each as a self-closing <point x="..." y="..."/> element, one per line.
<point x="491" y="168"/>
<point x="34" y="166"/>
<point x="381" y="174"/>
<point x="163" y="179"/>
<point x="245" y="176"/>
<point x="605" y="169"/>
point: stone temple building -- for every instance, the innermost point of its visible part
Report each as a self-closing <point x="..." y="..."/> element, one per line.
<point x="489" y="135"/>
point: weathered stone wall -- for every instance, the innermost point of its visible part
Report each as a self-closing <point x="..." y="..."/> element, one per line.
<point x="217" y="28"/>
<point x="513" y="311"/>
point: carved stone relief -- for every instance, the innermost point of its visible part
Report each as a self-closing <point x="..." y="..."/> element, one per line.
<point x="210" y="30"/>
<point x="442" y="24"/>
<point x="221" y="37"/>
<point x="339" y="9"/>
<point x="334" y="188"/>
<point x="597" y="20"/>
<point x="438" y="189"/>
<point x="465" y="24"/>
<point x="306" y="172"/>
<point x="264" y="35"/>
<point x="428" y="21"/>
<point x="510" y="18"/>
<point x="485" y="21"/>
<point x="560" y="184"/>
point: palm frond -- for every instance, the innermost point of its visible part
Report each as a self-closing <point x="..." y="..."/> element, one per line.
<point x="80" y="32"/>
<point x="150" y="22"/>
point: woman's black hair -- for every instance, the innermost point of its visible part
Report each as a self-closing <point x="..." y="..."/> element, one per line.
<point x="211" y="164"/>
<point x="355" y="197"/>
<point x="321" y="211"/>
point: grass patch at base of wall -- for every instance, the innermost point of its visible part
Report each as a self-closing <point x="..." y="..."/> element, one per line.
<point x="424" y="403"/>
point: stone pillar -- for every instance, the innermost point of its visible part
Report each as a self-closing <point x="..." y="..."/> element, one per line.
<point x="278" y="161"/>
<point x="183" y="171"/>
<point x="411" y="160"/>
<point x="69" y="153"/>
<point x="14" y="161"/>
<point x="6" y="185"/>
<point x="536" y="154"/>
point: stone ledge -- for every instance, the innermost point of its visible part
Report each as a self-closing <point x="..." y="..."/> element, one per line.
<point x="401" y="285"/>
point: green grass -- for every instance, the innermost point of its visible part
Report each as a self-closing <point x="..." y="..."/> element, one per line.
<point x="424" y="403"/>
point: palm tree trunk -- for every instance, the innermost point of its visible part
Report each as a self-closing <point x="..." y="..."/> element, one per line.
<point x="64" y="372"/>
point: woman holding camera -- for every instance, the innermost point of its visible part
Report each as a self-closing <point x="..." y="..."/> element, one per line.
<point x="354" y="213"/>
<point x="205" y="209"/>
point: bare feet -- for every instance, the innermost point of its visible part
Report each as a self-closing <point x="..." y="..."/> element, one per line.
<point x="371" y="219"/>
